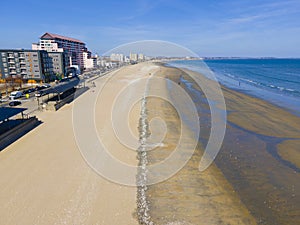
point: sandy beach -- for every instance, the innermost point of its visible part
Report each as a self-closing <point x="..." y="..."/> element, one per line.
<point x="45" y="180"/>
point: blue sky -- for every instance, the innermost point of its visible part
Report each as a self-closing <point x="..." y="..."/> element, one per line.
<point x="209" y="28"/>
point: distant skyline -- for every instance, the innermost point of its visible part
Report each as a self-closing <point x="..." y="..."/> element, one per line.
<point x="238" y="28"/>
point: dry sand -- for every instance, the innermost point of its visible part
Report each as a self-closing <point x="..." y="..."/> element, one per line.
<point x="45" y="180"/>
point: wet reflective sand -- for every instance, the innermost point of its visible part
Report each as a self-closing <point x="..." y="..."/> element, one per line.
<point x="252" y="181"/>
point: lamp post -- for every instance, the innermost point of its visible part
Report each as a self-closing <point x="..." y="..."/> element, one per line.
<point x="38" y="102"/>
<point x="6" y="91"/>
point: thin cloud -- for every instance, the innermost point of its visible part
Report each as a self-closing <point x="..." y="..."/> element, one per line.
<point x="245" y="19"/>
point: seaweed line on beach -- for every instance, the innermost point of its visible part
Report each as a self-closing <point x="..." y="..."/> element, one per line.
<point x="143" y="205"/>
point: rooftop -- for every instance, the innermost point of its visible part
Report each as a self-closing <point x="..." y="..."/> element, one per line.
<point x="6" y="112"/>
<point x="57" y="36"/>
<point x="63" y="86"/>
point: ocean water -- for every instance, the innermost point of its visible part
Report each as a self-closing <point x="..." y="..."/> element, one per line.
<point x="274" y="80"/>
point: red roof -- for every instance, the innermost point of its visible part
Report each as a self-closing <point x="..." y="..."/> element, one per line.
<point x="53" y="36"/>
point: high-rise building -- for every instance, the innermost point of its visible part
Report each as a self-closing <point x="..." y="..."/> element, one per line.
<point x="25" y="65"/>
<point x="56" y="43"/>
<point x="133" y="57"/>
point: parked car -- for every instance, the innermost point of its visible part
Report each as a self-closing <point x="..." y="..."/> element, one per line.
<point x="46" y="85"/>
<point x="39" y="94"/>
<point x="15" y="94"/>
<point x="37" y="88"/>
<point x="30" y="90"/>
<point x="15" y="103"/>
<point x="64" y="80"/>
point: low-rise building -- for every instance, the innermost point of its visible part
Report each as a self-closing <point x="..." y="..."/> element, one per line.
<point x="141" y="57"/>
<point x="89" y="61"/>
<point x="103" y="61"/>
<point x="117" y="57"/>
<point x="26" y="65"/>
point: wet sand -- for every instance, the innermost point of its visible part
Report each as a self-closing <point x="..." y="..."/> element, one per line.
<point x="259" y="159"/>
<point x="189" y="197"/>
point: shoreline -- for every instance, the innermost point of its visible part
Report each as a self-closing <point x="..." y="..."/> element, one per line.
<point x="249" y="155"/>
<point x="256" y="92"/>
<point x="189" y="197"/>
<point x="284" y="110"/>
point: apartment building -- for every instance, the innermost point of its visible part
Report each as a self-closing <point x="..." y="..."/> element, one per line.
<point x="57" y="43"/>
<point x="25" y="65"/>
<point x="60" y="63"/>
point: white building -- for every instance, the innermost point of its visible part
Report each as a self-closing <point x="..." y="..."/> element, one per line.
<point x="126" y="59"/>
<point x="47" y="45"/>
<point x="101" y="61"/>
<point x="104" y="62"/>
<point x="141" y="57"/>
<point x="88" y="61"/>
<point x="95" y="59"/>
<point x="117" y="57"/>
